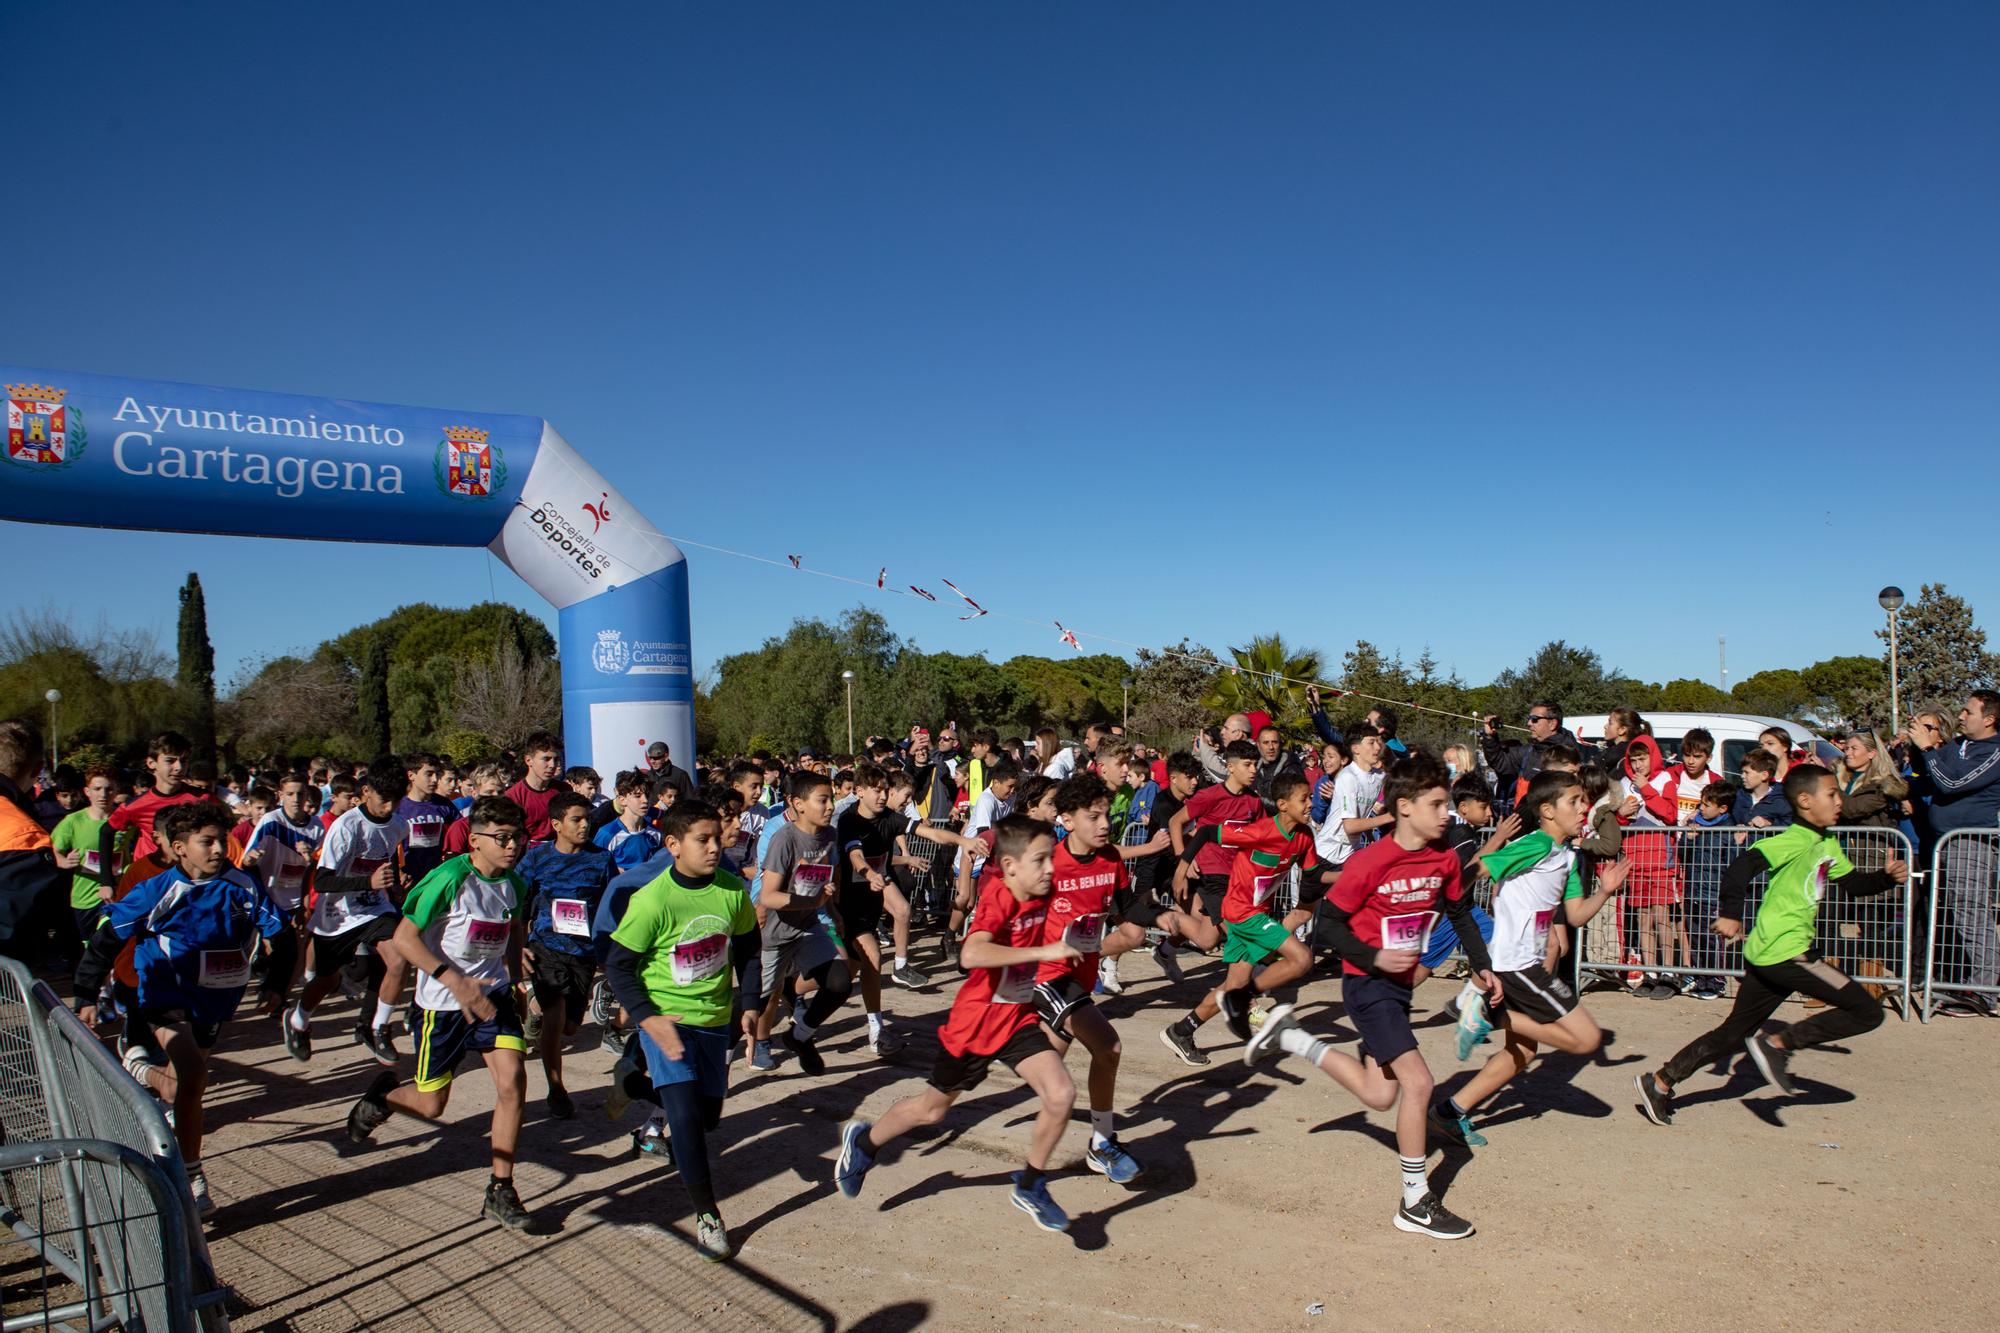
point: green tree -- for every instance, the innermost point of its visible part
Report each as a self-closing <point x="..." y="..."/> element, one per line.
<point x="1694" y="696"/>
<point x="195" y="677"/>
<point x="1168" y="687"/>
<point x="372" y="698"/>
<point x="1941" y="651"/>
<point x="1848" y="691"/>
<point x="1573" y="677"/>
<point x="1780" y="692"/>
<point x="1268" y="676"/>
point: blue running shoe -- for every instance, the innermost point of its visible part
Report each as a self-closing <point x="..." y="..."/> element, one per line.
<point x="1112" y="1162"/>
<point x="1037" y="1204"/>
<point x="1473" y="1025"/>
<point x="851" y="1167"/>
<point x="761" y="1057"/>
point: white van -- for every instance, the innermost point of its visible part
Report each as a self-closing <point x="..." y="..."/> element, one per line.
<point x="1735" y="734"/>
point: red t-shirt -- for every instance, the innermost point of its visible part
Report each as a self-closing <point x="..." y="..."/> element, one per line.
<point x="1264" y="855"/>
<point x="1219" y="805"/>
<point x="994" y="1003"/>
<point x="456" y="839"/>
<point x="535" y="805"/>
<point x="1394" y="896"/>
<point x="141" y="811"/>
<point x="1080" y="893"/>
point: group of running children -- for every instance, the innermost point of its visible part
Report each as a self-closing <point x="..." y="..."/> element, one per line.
<point x="506" y="915"/>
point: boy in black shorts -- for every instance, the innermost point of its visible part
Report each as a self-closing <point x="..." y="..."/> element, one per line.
<point x="1233" y="801"/>
<point x="865" y="847"/>
<point x="462" y="927"/>
<point x="993" y="1018"/>
<point x="567" y="876"/>
<point x="1380" y="913"/>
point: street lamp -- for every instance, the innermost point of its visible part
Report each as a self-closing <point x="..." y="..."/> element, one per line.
<point x="1125" y="688"/>
<point x="1891" y="599"/>
<point x="848" y="677"/>
<point x="55" y="735"/>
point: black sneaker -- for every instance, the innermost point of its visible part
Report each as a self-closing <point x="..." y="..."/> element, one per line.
<point x="379" y="1042"/>
<point x="810" y="1060"/>
<point x="370" y="1110"/>
<point x="298" y="1045"/>
<point x="503" y="1205"/>
<point x="1235" y="1007"/>
<point x="909" y="977"/>
<point x="1181" y="1043"/>
<point x="560" y="1105"/>
<point x="1658" y="1106"/>
<point x="1428" y="1217"/>
<point x="1771" y="1061"/>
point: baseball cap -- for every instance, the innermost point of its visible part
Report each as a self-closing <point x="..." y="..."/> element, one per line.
<point x="657" y="750"/>
<point x="809" y="753"/>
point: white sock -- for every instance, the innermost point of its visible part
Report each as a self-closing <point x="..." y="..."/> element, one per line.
<point x="1100" y="1127"/>
<point x="656" y="1119"/>
<point x="875" y="1025"/>
<point x="1414" y="1184"/>
<point x="1297" y="1041"/>
<point x="307" y="978"/>
<point x="384" y="1011"/>
<point x="299" y="1021"/>
<point x="902" y="961"/>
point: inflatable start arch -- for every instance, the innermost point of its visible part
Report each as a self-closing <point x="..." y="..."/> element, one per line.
<point x="99" y="451"/>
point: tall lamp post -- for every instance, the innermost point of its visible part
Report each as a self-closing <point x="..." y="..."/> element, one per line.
<point x="1891" y="599"/>
<point x="1125" y="688"/>
<point x="55" y="733"/>
<point x="848" y="678"/>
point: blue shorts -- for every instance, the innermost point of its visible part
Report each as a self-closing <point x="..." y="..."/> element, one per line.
<point x="1444" y="937"/>
<point x="445" y="1036"/>
<point x="704" y="1059"/>
<point x="1379" y="1007"/>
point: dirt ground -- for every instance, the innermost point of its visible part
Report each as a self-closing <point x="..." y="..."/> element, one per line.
<point x="1865" y="1202"/>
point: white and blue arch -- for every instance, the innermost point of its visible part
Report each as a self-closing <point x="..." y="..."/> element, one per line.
<point x="101" y="451"/>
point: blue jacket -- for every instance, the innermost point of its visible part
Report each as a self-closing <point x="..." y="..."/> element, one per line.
<point x="618" y="895"/>
<point x="176" y="920"/>
<point x="1962" y="780"/>
<point x="1706" y="854"/>
<point x="1774" y="807"/>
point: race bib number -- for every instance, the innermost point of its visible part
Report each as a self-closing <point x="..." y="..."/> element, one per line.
<point x="1410" y="931"/>
<point x="426" y="832"/>
<point x="288" y="876"/>
<point x="1542" y="922"/>
<point x="1086" y="933"/>
<point x="878" y="864"/>
<point x="1016" y="984"/>
<point x="570" y="916"/>
<point x="698" y="960"/>
<point x="368" y="865"/>
<point x="224" y="969"/>
<point x="1261" y="889"/>
<point x="485" y="940"/>
<point x="810" y="881"/>
<point x="91" y="861"/>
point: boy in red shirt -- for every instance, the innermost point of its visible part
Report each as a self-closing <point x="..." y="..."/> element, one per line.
<point x="992" y="1018"/>
<point x="166" y="759"/>
<point x="1234" y="802"/>
<point x="537" y="787"/>
<point x="1266" y="851"/>
<point x="1381" y="910"/>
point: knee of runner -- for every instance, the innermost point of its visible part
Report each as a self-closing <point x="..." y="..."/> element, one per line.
<point x="1061" y="1100"/>
<point x="1868" y="1012"/>
<point x="930" y="1111"/>
<point x="1418" y="1086"/>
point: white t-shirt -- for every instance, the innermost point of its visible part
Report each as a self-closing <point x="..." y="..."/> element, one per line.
<point x="1064" y="765"/>
<point x="987" y="811"/>
<point x="285" y="856"/>
<point x="356" y="845"/>
<point x="468" y="920"/>
<point x="1357" y="794"/>
<point x="1526" y="905"/>
<point x="1688" y="796"/>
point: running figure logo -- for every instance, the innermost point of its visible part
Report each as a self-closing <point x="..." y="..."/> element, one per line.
<point x="41" y="431"/>
<point x="600" y="513"/>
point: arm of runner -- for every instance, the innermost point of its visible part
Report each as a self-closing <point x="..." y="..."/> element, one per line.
<point x="410" y="944"/>
<point x="1736" y="881"/>
<point x="1610" y="882"/>
<point x="1340" y="925"/>
<point x="979" y="950"/>
<point x="1869" y="883"/>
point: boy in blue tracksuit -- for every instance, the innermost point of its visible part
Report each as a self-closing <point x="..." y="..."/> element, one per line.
<point x="197" y="926"/>
<point x="1704" y="857"/>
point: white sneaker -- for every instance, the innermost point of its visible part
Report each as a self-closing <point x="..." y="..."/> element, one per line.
<point x="136" y="1063"/>
<point x="1107" y="976"/>
<point x="198" y="1187"/>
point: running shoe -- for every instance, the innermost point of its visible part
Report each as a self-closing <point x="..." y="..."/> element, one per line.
<point x="885" y="1043"/>
<point x="1169" y="959"/>
<point x="379" y="1042"/>
<point x="531" y="1026"/>
<point x="561" y="1107"/>
<point x="761" y="1057"/>
<point x="1428" y="1217"/>
<point x="1771" y="1062"/>
<point x="503" y="1205"/>
<point x="1112" y="1162"/>
<point x="651" y="1140"/>
<point x="298" y="1045"/>
<point x="137" y="1060"/>
<point x="909" y="977"/>
<point x="204" y="1206"/>
<point x="612" y="1042"/>
<point x="1235" y="1007"/>
<point x="810" y="1060"/>
<point x="1660" y="990"/>
<point x="1456" y="1130"/>
<point x="1182" y="1044"/>
<point x="711" y="1238"/>
<point x="1036" y="1203"/>
<point x="1707" y="988"/>
<point x="1107" y="978"/>
<point x="603" y="1007"/>
<point x="1473" y="1024"/>
<point x="851" y="1167"/>
<point x="1264" y="1041"/>
<point x="370" y="1109"/>
<point x="1658" y="1106"/>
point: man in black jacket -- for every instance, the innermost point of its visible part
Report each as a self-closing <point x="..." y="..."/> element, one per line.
<point x="1515" y="763"/>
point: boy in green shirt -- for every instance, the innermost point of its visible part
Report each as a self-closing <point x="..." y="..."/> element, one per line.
<point x="1780" y="957"/>
<point x="678" y="945"/>
<point x="77" y="842"/>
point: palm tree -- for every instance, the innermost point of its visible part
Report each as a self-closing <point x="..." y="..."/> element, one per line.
<point x="1268" y="677"/>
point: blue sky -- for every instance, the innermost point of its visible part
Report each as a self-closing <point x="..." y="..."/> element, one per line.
<point x="1472" y="326"/>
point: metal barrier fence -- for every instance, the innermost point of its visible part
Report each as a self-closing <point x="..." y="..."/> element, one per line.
<point x="1961" y="950"/>
<point x="65" y="1101"/>
<point x="1660" y="924"/>
<point x="931" y="886"/>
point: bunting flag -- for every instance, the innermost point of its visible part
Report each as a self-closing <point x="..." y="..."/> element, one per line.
<point x="795" y="560"/>
<point x="1068" y="637"/>
<point x="921" y="593"/>
<point x="977" y="609"/>
<point x="882" y="578"/>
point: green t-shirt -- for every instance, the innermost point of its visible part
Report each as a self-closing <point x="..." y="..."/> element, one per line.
<point x="79" y="832"/>
<point x="468" y="920"/>
<point x="682" y="937"/>
<point x="1803" y="862"/>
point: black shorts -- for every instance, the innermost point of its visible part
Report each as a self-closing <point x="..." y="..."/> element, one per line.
<point x="1533" y="993"/>
<point x="353" y="949"/>
<point x="1056" y="1000"/>
<point x="963" y="1073"/>
<point x="443" y="1037"/>
<point x="1212" y="890"/>
<point x="1379" y="1008"/>
<point x="139" y="1031"/>
<point x="1139" y="907"/>
<point x="861" y="912"/>
<point x="565" y="977"/>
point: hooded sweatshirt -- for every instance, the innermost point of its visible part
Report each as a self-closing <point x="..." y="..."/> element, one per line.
<point x="1654" y="796"/>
